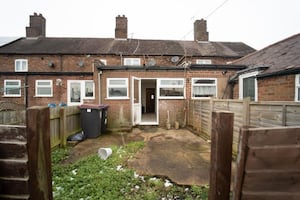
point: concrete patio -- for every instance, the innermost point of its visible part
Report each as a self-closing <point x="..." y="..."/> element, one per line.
<point x="179" y="154"/>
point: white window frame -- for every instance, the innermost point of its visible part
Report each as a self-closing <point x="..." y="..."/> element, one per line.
<point x="241" y="84"/>
<point x="23" y="63"/>
<point x="43" y="86"/>
<point x="203" y="85"/>
<point x="132" y="61"/>
<point x="160" y="85"/>
<point x="108" y="86"/>
<point x="82" y="91"/>
<point x="203" y="61"/>
<point x="297" y="87"/>
<point x="12" y="95"/>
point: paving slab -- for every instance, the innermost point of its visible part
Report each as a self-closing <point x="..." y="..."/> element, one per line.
<point x="177" y="154"/>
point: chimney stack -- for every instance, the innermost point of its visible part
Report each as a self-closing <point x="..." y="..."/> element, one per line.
<point x="37" y="26"/>
<point x="121" y="27"/>
<point x="200" y="31"/>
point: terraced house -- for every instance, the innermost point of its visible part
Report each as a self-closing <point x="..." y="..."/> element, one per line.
<point x="143" y="81"/>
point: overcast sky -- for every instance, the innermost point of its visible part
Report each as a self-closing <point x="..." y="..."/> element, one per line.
<point x="257" y="23"/>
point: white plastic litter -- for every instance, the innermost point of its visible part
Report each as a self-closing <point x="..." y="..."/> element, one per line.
<point x="104" y="153"/>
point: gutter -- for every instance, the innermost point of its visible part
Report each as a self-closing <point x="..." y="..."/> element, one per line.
<point x="279" y="73"/>
<point x="179" y="68"/>
<point x="47" y="73"/>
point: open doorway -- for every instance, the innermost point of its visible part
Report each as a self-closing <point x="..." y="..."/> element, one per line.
<point x="149" y="102"/>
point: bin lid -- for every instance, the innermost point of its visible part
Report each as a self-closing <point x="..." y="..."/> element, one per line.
<point x="93" y="106"/>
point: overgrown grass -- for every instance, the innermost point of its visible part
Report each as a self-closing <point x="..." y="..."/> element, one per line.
<point x="93" y="178"/>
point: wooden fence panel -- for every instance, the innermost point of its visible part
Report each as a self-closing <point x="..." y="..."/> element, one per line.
<point x="25" y="158"/>
<point x="16" y="117"/>
<point x="266" y="115"/>
<point x="246" y="113"/>
<point x="292" y="115"/>
<point x="13" y="166"/>
<point x="268" y="164"/>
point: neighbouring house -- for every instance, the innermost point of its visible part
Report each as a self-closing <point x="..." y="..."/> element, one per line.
<point x="146" y="82"/>
<point x="272" y="74"/>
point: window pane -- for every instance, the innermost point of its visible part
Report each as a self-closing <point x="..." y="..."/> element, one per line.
<point x="204" y="91"/>
<point x="44" y="91"/>
<point x="171" y="92"/>
<point x="43" y="83"/>
<point x="298" y="94"/>
<point x="75" y="91"/>
<point x="117" y="82"/>
<point x="204" y="81"/>
<point x="18" y="66"/>
<point x="171" y="82"/>
<point x="89" y="89"/>
<point x="12" y="91"/>
<point x="12" y="84"/>
<point x="117" y="92"/>
<point x="249" y="88"/>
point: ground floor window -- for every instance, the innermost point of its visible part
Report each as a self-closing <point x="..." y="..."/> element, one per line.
<point x="117" y="88"/>
<point x="248" y="86"/>
<point x="297" y="85"/>
<point x="43" y="88"/>
<point x="204" y="87"/>
<point x="12" y="88"/>
<point x="171" y="88"/>
<point x="78" y="90"/>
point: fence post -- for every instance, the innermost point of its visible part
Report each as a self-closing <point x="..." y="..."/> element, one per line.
<point x="63" y="127"/>
<point x="211" y="109"/>
<point x="221" y="155"/>
<point x="246" y="111"/>
<point x="39" y="153"/>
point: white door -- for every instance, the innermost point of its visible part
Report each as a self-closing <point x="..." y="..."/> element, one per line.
<point x="136" y="100"/>
<point x="74" y="93"/>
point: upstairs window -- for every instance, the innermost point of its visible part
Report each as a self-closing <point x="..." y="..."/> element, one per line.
<point x="171" y="88"/>
<point x="117" y="88"/>
<point x="132" y="61"/>
<point x="297" y="85"/>
<point x="43" y="88"/>
<point x="203" y="61"/>
<point x="21" y="65"/>
<point x="204" y="87"/>
<point x="12" y="88"/>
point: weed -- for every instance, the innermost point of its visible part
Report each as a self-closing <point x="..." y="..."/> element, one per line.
<point x="94" y="178"/>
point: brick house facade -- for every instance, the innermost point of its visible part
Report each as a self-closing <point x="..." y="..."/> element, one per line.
<point x="272" y="74"/>
<point x="161" y="74"/>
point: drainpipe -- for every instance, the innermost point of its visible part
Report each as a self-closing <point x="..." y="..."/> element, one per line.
<point x="99" y="86"/>
<point x="26" y="91"/>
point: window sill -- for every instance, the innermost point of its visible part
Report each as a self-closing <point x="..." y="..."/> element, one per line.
<point x="117" y="98"/>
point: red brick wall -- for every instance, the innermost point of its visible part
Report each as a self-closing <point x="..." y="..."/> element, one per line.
<point x="280" y="88"/>
<point x="119" y="112"/>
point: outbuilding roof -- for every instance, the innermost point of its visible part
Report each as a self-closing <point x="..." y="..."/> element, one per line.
<point x="280" y="58"/>
<point x="56" y="45"/>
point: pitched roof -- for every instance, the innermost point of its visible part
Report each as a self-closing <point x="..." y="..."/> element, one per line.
<point x="5" y="40"/>
<point x="282" y="57"/>
<point x="46" y="45"/>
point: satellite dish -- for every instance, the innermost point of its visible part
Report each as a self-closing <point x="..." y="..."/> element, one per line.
<point x="151" y="62"/>
<point x="174" y="59"/>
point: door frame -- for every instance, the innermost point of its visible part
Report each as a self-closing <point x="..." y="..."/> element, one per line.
<point x="136" y="111"/>
<point x="136" y="107"/>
